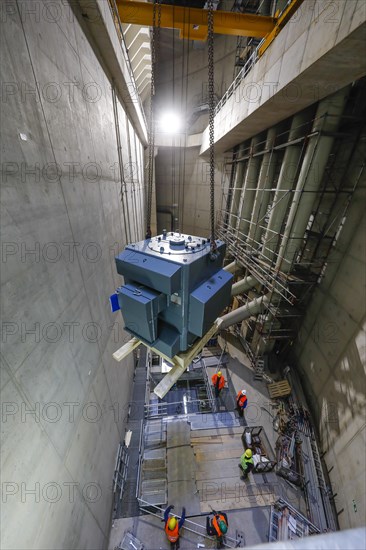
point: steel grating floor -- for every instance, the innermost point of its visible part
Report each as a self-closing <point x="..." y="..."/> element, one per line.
<point x="129" y="506"/>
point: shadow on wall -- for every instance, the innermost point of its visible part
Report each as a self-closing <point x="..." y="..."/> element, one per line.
<point x="344" y="397"/>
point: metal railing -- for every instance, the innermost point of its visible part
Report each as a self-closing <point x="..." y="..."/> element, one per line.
<point x="139" y="461"/>
<point x="159" y="409"/>
<point x="239" y="77"/>
<point x="189" y="525"/>
<point x="264" y="273"/>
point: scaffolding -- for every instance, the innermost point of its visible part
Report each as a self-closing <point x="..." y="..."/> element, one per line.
<point x="289" y="281"/>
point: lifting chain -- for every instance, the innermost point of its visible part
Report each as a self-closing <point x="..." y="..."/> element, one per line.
<point x="211" y="103"/>
<point x="154" y="59"/>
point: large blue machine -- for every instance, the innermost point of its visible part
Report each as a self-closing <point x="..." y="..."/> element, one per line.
<point x="174" y="290"/>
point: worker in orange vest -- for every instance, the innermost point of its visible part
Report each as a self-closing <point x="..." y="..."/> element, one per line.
<point x="218" y="526"/>
<point x="172" y="526"/>
<point x="241" y="402"/>
<point x="218" y="382"/>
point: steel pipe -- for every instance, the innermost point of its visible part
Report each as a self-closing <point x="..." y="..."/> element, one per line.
<point x="248" y="194"/>
<point x="242" y="286"/>
<point x="328" y="117"/>
<point x="238" y="315"/>
<point x="237" y="188"/>
<point x="233" y="267"/>
<point x="286" y="179"/>
<point x="261" y="200"/>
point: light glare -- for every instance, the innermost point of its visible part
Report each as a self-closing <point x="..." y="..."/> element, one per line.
<point x="170" y="123"/>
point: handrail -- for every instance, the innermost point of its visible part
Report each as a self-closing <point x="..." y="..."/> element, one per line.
<point x="141" y="452"/>
<point x="164" y="404"/>
<point x="239" y="77"/>
<point x="247" y="67"/>
<point x="194" y="527"/>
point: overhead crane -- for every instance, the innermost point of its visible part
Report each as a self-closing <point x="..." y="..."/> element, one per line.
<point x="192" y="22"/>
<point x="175" y="286"/>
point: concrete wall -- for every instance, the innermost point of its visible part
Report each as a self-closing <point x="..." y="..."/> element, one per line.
<point x="331" y="356"/>
<point x="64" y="399"/>
<point x="182" y="177"/>
<point x="192" y="195"/>
<point x="312" y="57"/>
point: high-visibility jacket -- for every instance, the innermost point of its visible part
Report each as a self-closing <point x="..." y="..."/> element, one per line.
<point x="215" y="523"/>
<point x="172" y="534"/>
<point x="244" y="461"/>
<point x="218" y="382"/>
<point x="241" y="400"/>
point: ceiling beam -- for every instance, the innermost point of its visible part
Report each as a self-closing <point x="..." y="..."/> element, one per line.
<point x="192" y="22"/>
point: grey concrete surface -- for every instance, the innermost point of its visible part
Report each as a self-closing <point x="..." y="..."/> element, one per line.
<point x="312" y="56"/>
<point x="330" y="354"/>
<point x="64" y="399"/>
<point x="182" y="177"/>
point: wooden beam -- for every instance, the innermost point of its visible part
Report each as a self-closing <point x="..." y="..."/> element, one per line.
<point x="125" y="350"/>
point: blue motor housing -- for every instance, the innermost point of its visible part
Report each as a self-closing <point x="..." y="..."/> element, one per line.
<point x="173" y="290"/>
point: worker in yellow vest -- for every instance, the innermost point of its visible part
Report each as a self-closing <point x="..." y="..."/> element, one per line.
<point x="246" y="463"/>
<point x="172" y="526"/>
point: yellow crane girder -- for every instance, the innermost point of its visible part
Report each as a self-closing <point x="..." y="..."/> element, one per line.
<point x="192" y="22"/>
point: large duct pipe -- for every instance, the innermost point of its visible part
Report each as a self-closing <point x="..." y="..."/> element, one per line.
<point x="241" y="313"/>
<point x="237" y="188"/>
<point x="248" y="192"/>
<point x="286" y="179"/>
<point x="262" y="196"/>
<point x="328" y="117"/>
<point x="233" y="267"/>
<point x="242" y="286"/>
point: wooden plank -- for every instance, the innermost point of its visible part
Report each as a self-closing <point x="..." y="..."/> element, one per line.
<point x="217" y="447"/>
<point x="126" y="349"/>
<point x="279" y="389"/>
<point x="233" y="504"/>
<point x="181" y="362"/>
<point x="233" y="494"/>
<point x="229" y="453"/>
<point x="223" y="440"/>
<point x="220" y="465"/>
<point x="214" y="470"/>
<point x="232" y="431"/>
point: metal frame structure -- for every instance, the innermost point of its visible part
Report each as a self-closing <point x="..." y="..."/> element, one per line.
<point x="192" y="22"/>
<point x="189" y="525"/>
<point x="287" y="276"/>
<point x="300" y="527"/>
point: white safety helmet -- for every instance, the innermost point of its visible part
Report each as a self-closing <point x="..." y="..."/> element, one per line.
<point x="243" y="392"/>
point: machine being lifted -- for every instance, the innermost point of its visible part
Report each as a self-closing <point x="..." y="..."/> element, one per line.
<point x="174" y="290"/>
<point x="175" y="286"/>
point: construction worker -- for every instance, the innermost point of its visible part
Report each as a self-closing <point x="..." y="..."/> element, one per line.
<point x="172" y="526"/>
<point x="218" y="526"/>
<point x="218" y="382"/>
<point x="241" y="402"/>
<point x="246" y="463"/>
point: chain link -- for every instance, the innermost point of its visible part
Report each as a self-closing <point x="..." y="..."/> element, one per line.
<point x="151" y="136"/>
<point x="211" y="103"/>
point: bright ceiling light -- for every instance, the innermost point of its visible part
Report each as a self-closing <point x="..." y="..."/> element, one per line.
<point x="170" y="123"/>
